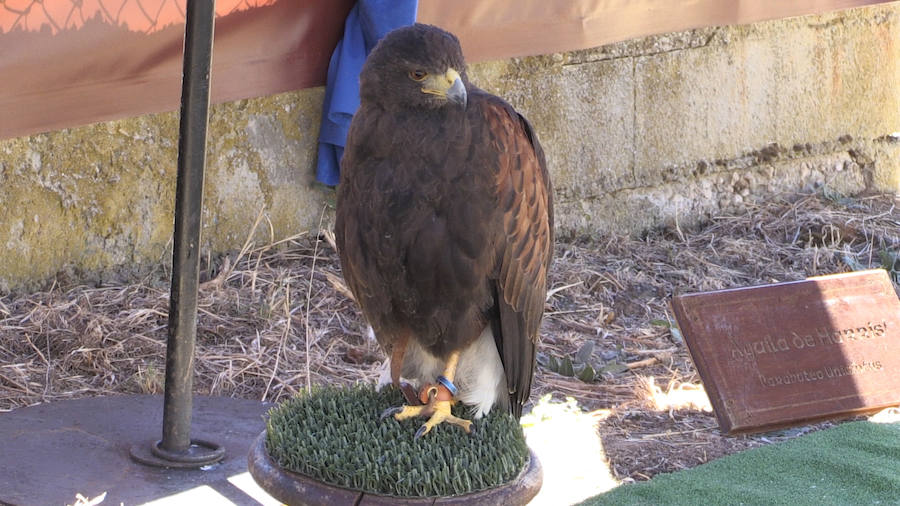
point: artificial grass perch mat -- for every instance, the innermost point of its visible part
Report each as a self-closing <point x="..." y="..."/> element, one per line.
<point x="853" y="463"/>
<point x="334" y="435"/>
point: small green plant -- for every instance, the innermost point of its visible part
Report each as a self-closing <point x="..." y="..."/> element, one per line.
<point x="890" y="260"/>
<point x="334" y="435"/>
<point x="838" y="198"/>
<point x="674" y="331"/>
<point x="581" y="365"/>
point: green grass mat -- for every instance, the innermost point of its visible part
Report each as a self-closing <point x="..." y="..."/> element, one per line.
<point x="854" y="463"/>
<point x="335" y="435"/>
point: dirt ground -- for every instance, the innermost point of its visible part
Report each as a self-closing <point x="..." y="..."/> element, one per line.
<point x="276" y="317"/>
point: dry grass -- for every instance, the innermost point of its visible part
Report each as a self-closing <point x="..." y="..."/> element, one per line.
<point x="266" y="312"/>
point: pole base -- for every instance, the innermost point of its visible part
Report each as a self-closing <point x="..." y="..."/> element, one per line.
<point x="200" y="453"/>
<point x="50" y="451"/>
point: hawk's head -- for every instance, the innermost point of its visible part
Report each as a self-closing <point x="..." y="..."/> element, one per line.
<point x="419" y="66"/>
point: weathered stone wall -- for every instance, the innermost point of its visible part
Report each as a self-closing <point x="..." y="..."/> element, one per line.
<point x="101" y="197"/>
<point x="637" y="134"/>
<point x="694" y="123"/>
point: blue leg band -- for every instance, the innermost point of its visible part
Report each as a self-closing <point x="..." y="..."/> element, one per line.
<point x="448" y="384"/>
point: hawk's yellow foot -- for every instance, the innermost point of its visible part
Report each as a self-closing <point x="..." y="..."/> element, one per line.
<point x="438" y="401"/>
<point x="441" y="414"/>
<point x="438" y="412"/>
<point x="406" y="411"/>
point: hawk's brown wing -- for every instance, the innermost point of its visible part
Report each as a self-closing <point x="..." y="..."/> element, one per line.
<point x="525" y="199"/>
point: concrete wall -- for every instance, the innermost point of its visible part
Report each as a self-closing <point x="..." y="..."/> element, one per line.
<point x="693" y="122"/>
<point x="636" y="133"/>
<point x="92" y="199"/>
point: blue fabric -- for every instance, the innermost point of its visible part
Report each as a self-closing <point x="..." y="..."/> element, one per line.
<point x="366" y="24"/>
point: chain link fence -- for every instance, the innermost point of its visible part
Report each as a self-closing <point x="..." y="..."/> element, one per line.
<point x="145" y="16"/>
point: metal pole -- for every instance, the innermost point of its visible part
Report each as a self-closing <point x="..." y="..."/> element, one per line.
<point x="176" y="449"/>
<point x="182" y="330"/>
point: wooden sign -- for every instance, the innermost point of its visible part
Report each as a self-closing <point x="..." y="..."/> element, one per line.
<point x="790" y="353"/>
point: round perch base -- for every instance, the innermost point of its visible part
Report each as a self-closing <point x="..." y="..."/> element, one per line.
<point x="331" y="447"/>
<point x="296" y="489"/>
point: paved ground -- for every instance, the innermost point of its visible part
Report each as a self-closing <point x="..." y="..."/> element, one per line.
<point x="53" y="452"/>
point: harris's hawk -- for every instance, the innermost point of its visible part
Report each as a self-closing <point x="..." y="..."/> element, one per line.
<point x="444" y="228"/>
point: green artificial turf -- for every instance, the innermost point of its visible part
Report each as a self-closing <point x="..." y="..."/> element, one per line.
<point x="854" y="463"/>
<point x="335" y="435"/>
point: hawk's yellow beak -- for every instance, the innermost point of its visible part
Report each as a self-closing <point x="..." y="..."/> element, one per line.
<point x="448" y="85"/>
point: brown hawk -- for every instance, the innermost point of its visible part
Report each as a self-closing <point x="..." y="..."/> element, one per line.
<point x="444" y="228"/>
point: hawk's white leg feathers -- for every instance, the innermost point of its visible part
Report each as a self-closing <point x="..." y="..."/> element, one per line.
<point x="479" y="375"/>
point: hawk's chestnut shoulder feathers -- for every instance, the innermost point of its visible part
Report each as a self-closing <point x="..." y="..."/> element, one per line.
<point x="444" y="219"/>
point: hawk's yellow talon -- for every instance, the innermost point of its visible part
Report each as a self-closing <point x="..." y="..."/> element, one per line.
<point x="439" y="412"/>
<point x="405" y="412"/>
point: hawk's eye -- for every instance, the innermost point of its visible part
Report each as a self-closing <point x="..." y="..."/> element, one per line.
<point x="418" y="75"/>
